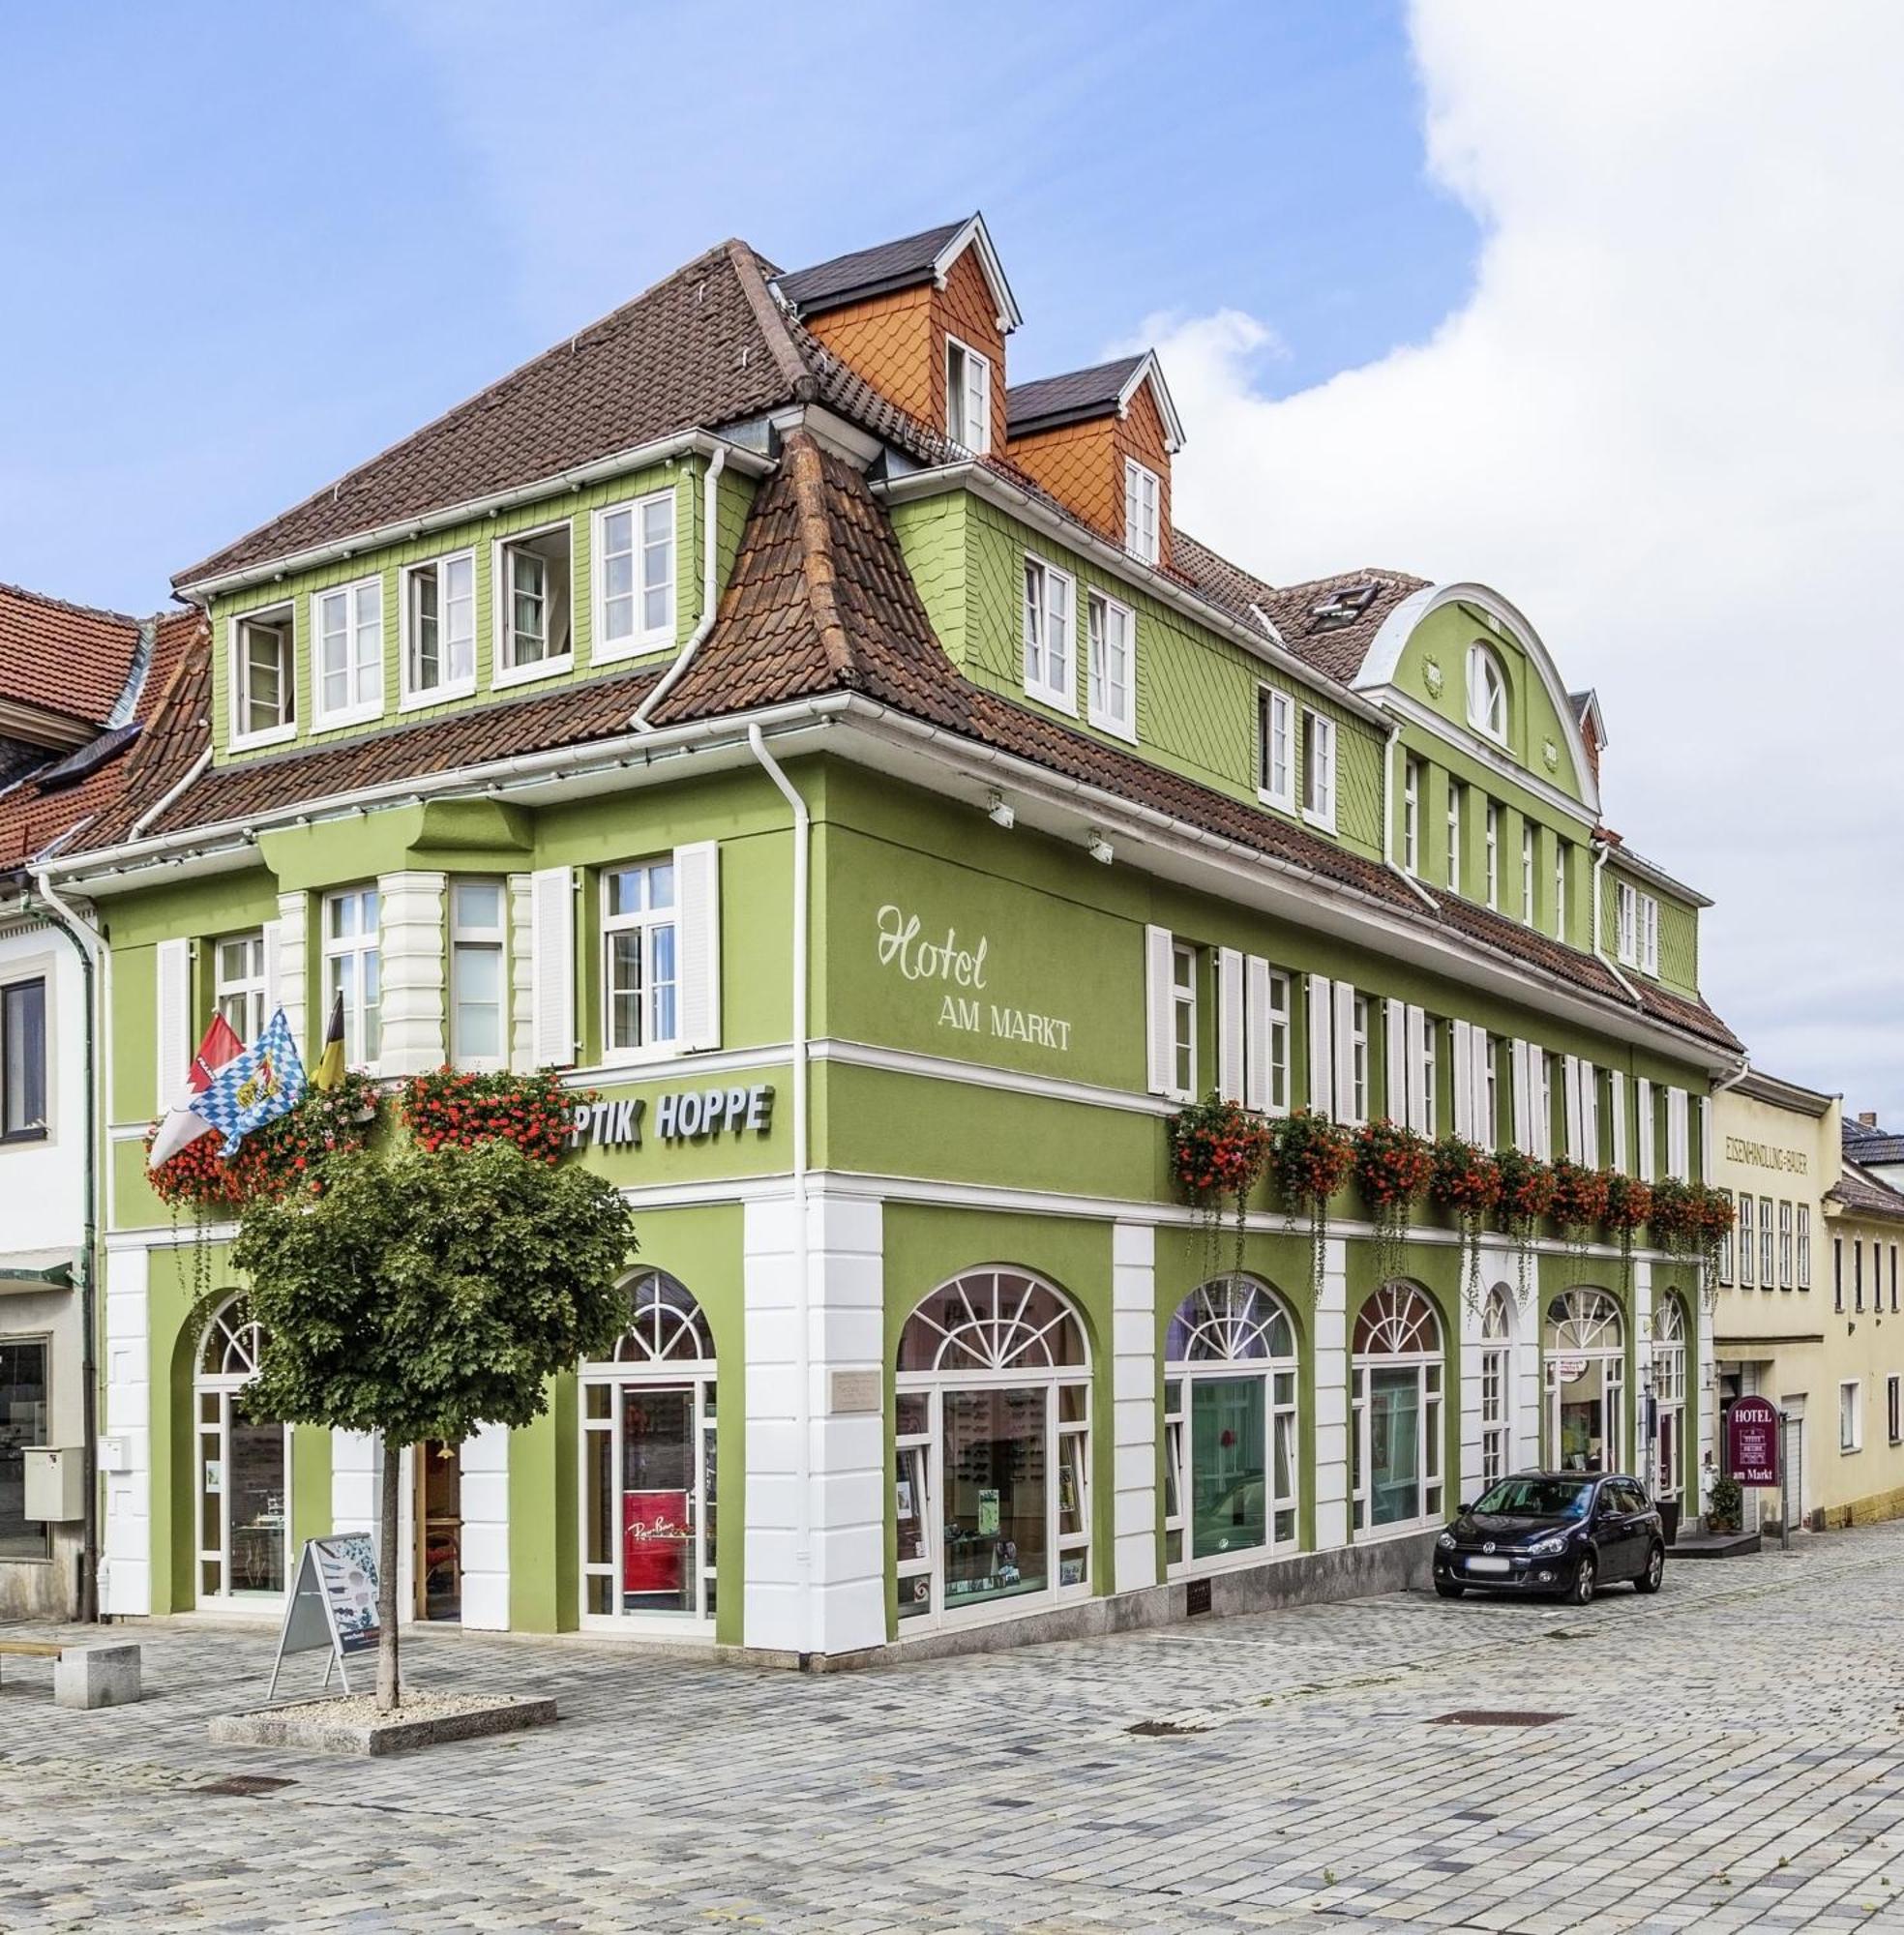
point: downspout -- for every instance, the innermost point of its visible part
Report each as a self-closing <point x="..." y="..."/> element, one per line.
<point x="1599" y="953"/>
<point x="85" y="941"/>
<point x="171" y="793"/>
<point x="803" y="1290"/>
<point x="1401" y="873"/>
<point x="711" y="519"/>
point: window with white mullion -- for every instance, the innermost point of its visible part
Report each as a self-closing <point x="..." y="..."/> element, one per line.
<point x="1048" y="623"/>
<point x="439" y="623"/>
<point x="1275" y="766"/>
<point x="1412" y="815"/>
<point x="967" y="397"/>
<point x="1454" y="836"/>
<point x="634" y="577"/>
<point x="1183" y="1020"/>
<point x="238" y="983"/>
<point x="1560" y="889"/>
<point x="1177" y="1475"/>
<point x="478" y="1038"/>
<point x="352" y="968"/>
<point x="641" y="976"/>
<point x="348" y="624"/>
<point x="1143" y="498"/>
<point x="1112" y="681"/>
<point x="1319" y="769"/>
<point x="534" y="633"/>
<point x="265" y="674"/>
<point x="1527" y="872"/>
<point x="1493" y="854"/>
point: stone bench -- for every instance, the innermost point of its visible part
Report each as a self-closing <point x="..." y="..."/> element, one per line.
<point x="85" y="1675"/>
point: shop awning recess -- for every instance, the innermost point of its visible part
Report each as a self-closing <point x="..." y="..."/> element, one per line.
<point x="46" y="1270"/>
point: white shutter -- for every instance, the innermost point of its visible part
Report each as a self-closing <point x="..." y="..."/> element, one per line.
<point x="551" y="906"/>
<point x="1417" y="1076"/>
<point x="1518" y="1062"/>
<point x="1464" y="1080"/>
<point x="174" y="1032"/>
<point x="1230" y="1023"/>
<point x="1157" y="1008"/>
<point x="1576" y="1133"/>
<point x="1617" y="1100"/>
<point x="1257" y="1091"/>
<point x="1322" y="1051"/>
<point x="1395" y="1051"/>
<point x="1345" y="1055"/>
<point x="1643" y="1092"/>
<point x="1590" y="1114"/>
<point x="698" y="898"/>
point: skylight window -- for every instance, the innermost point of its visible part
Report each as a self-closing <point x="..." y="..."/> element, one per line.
<point x="1345" y="605"/>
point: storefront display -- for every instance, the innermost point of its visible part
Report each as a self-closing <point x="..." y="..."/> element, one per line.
<point x="1395" y="1440"/>
<point x="244" y="1468"/>
<point x="23" y="1422"/>
<point x="1585" y="1359"/>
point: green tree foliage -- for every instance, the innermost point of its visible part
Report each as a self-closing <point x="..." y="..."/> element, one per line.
<point x="424" y="1294"/>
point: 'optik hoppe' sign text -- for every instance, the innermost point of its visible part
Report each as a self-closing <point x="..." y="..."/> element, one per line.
<point x="680" y="1115"/>
<point x="954" y="968"/>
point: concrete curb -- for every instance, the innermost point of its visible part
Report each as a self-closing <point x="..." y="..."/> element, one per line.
<point x="303" y="1725"/>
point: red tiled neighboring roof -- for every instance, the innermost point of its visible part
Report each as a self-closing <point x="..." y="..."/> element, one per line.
<point x="68" y="659"/>
<point x="1865" y="1195"/>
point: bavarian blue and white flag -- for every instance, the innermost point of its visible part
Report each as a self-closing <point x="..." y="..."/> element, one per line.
<point x="254" y="1087"/>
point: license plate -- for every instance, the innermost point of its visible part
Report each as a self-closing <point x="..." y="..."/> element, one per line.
<point x="1488" y="1565"/>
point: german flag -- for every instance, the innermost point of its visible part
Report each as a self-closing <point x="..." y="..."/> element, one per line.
<point x="329" y="1072"/>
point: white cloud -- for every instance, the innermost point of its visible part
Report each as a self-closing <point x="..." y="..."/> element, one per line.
<point x="1669" y="424"/>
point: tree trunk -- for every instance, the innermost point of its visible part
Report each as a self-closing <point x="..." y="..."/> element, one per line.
<point x="391" y="1458"/>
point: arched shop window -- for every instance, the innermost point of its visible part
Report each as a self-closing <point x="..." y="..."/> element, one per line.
<point x="648" y="1466"/>
<point x="243" y="1476"/>
<point x="1230" y="1436"/>
<point x="1395" y="1443"/>
<point x="992" y="1449"/>
<point x="1669" y="1390"/>
<point x="1585" y="1347"/>
<point x="1497" y="1386"/>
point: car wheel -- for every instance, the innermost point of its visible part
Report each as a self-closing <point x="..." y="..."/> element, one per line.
<point x="1448" y="1589"/>
<point x="1581" y="1591"/>
<point x="1656" y="1571"/>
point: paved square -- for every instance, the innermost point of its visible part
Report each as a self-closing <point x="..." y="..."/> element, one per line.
<point x="1729" y="1755"/>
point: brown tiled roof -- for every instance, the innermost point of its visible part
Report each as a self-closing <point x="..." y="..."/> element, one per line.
<point x="1322" y="625"/>
<point x="868" y="272"/>
<point x="138" y="763"/>
<point x="702" y="347"/>
<point x="68" y="659"/>
<point x="1075" y="395"/>
<point x="1865" y="1195"/>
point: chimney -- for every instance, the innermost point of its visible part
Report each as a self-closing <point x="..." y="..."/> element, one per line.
<point x="1100" y="441"/>
<point x="1868" y="1116"/>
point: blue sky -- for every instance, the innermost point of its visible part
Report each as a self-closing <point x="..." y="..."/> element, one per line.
<point x="278" y="239"/>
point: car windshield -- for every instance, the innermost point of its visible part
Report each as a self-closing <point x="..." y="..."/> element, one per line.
<point x="1539" y="1498"/>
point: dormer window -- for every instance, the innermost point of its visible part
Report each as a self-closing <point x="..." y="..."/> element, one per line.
<point x="349" y="623"/>
<point x="533" y="613"/>
<point x="967" y="397"/>
<point x="440" y="629"/>
<point x="1487" y="694"/>
<point x="263" y="676"/>
<point x="1141" y="511"/>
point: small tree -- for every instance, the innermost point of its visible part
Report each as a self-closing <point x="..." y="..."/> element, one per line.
<point x="423" y="1293"/>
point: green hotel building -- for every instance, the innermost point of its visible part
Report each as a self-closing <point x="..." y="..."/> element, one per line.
<point x="835" y="762"/>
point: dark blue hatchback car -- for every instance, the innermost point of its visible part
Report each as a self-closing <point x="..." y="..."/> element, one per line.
<point x="1563" y="1534"/>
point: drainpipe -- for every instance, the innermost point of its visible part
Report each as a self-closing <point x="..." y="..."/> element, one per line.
<point x="1600" y="952"/>
<point x="711" y="510"/>
<point x="803" y="1293"/>
<point x="85" y="941"/>
<point x="1401" y="873"/>
<point x="171" y="793"/>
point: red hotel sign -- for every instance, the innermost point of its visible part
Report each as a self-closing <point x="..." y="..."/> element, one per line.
<point x="1751" y="1442"/>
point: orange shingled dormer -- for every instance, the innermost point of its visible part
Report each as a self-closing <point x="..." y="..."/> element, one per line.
<point x="924" y="320"/>
<point x="1100" y="440"/>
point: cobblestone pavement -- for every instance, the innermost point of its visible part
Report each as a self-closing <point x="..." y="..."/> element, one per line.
<point x="1729" y="1755"/>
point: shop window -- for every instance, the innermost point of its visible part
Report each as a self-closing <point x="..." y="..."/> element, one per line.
<point x="1395" y="1434"/>
<point x="992" y="1450"/>
<point x="353" y="972"/>
<point x="23" y="1422"/>
<point x="244" y="1466"/>
<point x="1231" y="1446"/>
<point x="640" y="972"/>
<point x="533" y="608"/>
<point x="1669" y="1390"/>
<point x="1497" y="1387"/>
<point x="650" y="1467"/>
<point x="478" y="1025"/>
<point x="238" y="983"/>
<point x="23" y="1062"/>
<point x="439" y="628"/>
<point x="1585" y="1349"/>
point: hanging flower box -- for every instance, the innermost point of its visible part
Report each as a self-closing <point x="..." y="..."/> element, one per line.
<point x="1464" y="1182"/>
<point x="283" y="1156"/>
<point x="1310" y="1158"/>
<point x="449" y="1109"/>
<point x="1579" y="1201"/>
<point x="1218" y="1152"/>
<point x="1392" y="1166"/>
<point x="1527" y="1194"/>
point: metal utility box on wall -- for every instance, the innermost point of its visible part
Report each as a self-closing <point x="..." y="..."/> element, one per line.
<point x="56" y="1484"/>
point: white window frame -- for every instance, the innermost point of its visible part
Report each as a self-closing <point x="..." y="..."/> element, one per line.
<point x="1431" y="1394"/>
<point x="1275" y="748"/>
<point x="1276" y="1048"/>
<point x="364" y="945"/>
<point x="1804" y="1245"/>
<point x="1648" y="962"/>
<point x="1057" y="643"/>
<point x="356" y="710"/>
<point x="644" y="638"/>
<point x="1494" y="857"/>
<point x="211" y="1444"/>
<point x="1183" y="1020"/>
<point x="413" y="696"/>
<point x="1729" y="1241"/>
<point x="1496" y="1388"/>
<point x="1527" y="872"/>
<point x="1410" y="814"/>
<point x="1748" y="1250"/>
<point x="975" y="363"/>
<point x="466" y="938"/>
<point x="648" y="921"/>
<point x="1851" y="1419"/>
<point x="1358" y="1060"/>
<point x="1481" y="715"/>
<point x="245" y="988"/>
<point x="1111" y="707"/>
<point x="1143" y="512"/>
<point x="1560" y="888"/>
<point x="1319" y="769"/>
<point x="281" y="618"/>
<point x="1894" y="1407"/>
<point x="1454" y="835"/>
<point x="503" y="671"/>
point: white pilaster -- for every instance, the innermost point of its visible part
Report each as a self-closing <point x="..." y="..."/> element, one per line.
<point x="484" y="1508"/>
<point x="412" y="970"/>
<point x="773" y="1613"/>
<point x="1134" y="1405"/>
<point x="357" y="1500"/>
<point x="1468" y="1476"/>
<point x="292" y="968"/>
<point x="125" y="1570"/>
<point x="1332" y="1436"/>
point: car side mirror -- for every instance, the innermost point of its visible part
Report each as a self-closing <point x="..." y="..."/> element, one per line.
<point x="1466" y="1506"/>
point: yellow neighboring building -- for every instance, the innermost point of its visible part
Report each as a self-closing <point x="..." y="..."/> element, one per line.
<point x="1809" y="1312"/>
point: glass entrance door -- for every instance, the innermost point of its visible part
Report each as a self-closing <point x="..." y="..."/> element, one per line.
<point x="438" y="1517"/>
<point x="648" y="1484"/>
<point x="1584" y="1413"/>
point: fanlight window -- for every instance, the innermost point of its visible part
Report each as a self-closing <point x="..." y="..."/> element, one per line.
<point x="1232" y="1321"/>
<point x="233" y="1345"/>
<point x="991" y="1321"/>
<point x="1671" y="1330"/>
<point x="1487" y="693"/>
<point x="1583" y="1320"/>
<point x="665" y="1325"/>
<point x="1497" y="1324"/>
<point x="1398" y="1322"/>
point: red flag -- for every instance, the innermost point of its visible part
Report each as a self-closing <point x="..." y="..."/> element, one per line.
<point x="220" y="1044"/>
<point x="183" y="1125"/>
